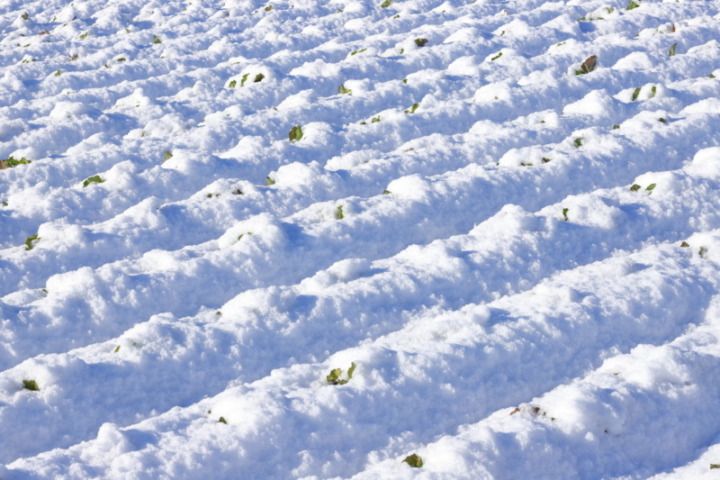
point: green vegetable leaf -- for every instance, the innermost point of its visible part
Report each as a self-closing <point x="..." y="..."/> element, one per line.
<point x="232" y="84"/>
<point x="258" y="78"/>
<point x="222" y="420"/>
<point x="334" y="375"/>
<point x="351" y="370"/>
<point x="632" y="5"/>
<point x="578" y="142"/>
<point x="651" y="187"/>
<point x="93" y="179"/>
<point x="296" y="133"/>
<point x="343" y="90"/>
<point x="12" y="162"/>
<point x="414" y="460"/>
<point x="635" y="187"/>
<point x="31" y="241"/>
<point x="713" y="466"/>
<point x="412" y="109"/>
<point x="30" y="385"/>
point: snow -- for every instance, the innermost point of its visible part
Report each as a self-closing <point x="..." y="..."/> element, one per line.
<point x="514" y="267"/>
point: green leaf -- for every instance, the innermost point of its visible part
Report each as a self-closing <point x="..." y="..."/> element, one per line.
<point x="414" y="460"/>
<point x="713" y="466"/>
<point x="386" y="4"/>
<point x="635" y="187"/>
<point x="615" y="127"/>
<point x="232" y="84"/>
<point x="636" y="94"/>
<point x="632" y="5"/>
<point x="673" y="49"/>
<point x="339" y="213"/>
<point x="31" y="241"/>
<point x="355" y="52"/>
<point x="122" y="59"/>
<point x="84" y="35"/>
<point x="117" y="349"/>
<point x="244" y="79"/>
<point x="269" y="181"/>
<point x="12" y="162"/>
<point x="386" y="192"/>
<point x="334" y="375"/>
<point x="545" y="160"/>
<point x="351" y="370"/>
<point x="25" y="16"/>
<point x="651" y="187"/>
<point x="30" y="385"/>
<point x="296" y="133"/>
<point x="93" y="179"/>
<point x="684" y="245"/>
<point x="58" y="73"/>
<point x="343" y="90"/>
<point x="565" y="214"/>
<point x="268" y="8"/>
<point x="578" y="142"/>
<point x="412" y="109"/>
<point x="258" y="78"/>
<point x="156" y="39"/>
<point x="404" y="81"/>
<point x="421" y="42"/>
<point x="653" y="91"/>
<point x="375" y="119"/>
<point x="167" y="154"/>
<point x="496" y="57"/>
<point x="222" y="420"/>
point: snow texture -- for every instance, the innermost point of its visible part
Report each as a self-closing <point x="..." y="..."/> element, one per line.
<point x="480" y="246"/>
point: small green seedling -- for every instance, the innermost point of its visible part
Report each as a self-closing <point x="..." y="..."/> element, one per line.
<point x="386" y="4"/>
<point x="635" y="187"/>
<point x="546" y="160"/>
<point x="685" y="245"/>
<point x="84" y="35"/>
<point x="117" y="349"/>
<point x="343" y="90"/>
<point x="25" y="16"/>
<point x="632" y="4"/>
<point x="244" y="79"/>
<point x="578" y="142"/>
<point x="376" y="119"/>
<point x="93" y="179"/>
<point x="421" y="42"/>
<point x="386" y="192"/>
<point x="713" y="466"/>
<point x="414" y="460"/>
<point x="268" y="8"/>
<point x="587" y="66"/>
<point x="269" y="181"/>
<point x="616" y="127"/>
<point x="662" y="120"/>
<point x="222" y="420"/>
<point x="565" y="214"/>
<point x="167" y="155"/>
<point x="355" y="52"/>
<point x="12" y="162"/>
<point x="333" y="377"/>
<point x="339" y="213"/>
<point x="412" y="109"/>
<point x="651" y="187"/>
<point x="58" y="72"/>
<point x="404" y="80"/>
<point x="31" y="385"/>
<point x="258" y="78"/>
<point x="636" y="94"/>
<point x="672" y="50"/>
<point x="31" y="241"/>
<point x="702" y="251"/>
<point x="156" y="39"/>
<point x="295" y="134"/>
<point x="122" y="59"/>
<point x="496" y="57"/>
<point x="232" y="84"/>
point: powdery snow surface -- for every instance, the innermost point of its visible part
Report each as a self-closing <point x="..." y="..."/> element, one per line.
<point x="515" y="267"/>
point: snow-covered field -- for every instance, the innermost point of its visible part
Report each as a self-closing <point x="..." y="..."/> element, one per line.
<point x="500" y="220"/>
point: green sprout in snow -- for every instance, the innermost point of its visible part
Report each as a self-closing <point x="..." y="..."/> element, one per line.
<point x="156" y="39"/>
<point x="650" y="187"/>
<point x="632" y="4"/>
<point x="333" y="377"/>
<point x="713" y="466"/>
<point x="635" y="187"/>
<point x="421" y="42"/>
<point x="232" y="84"/>
<point x="31" y="241"/>
<point x="258" y="78"/>
<point x="684" y="244"/>
<point x="269" y="181"/>
<point x="167" y="155"/>
<point x="578" y="142"/>
<point x="222" y="420"/>
<point x="30" y="385"/>
<point x="496" y="57"/>
<point x="339" y="213"/>
<point x="244" y="79"/>
<point x="565" y="214"/>
<point x="672" y="50"/>
<point x="414" y="460"/>
<point x="93" y="179"/>
<point x="343" y="90"/>
<point x="386" y="4"/>
<point x="412" y="109"/>
<point x="12" y="162"/>
<point x="295" y="134"/>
